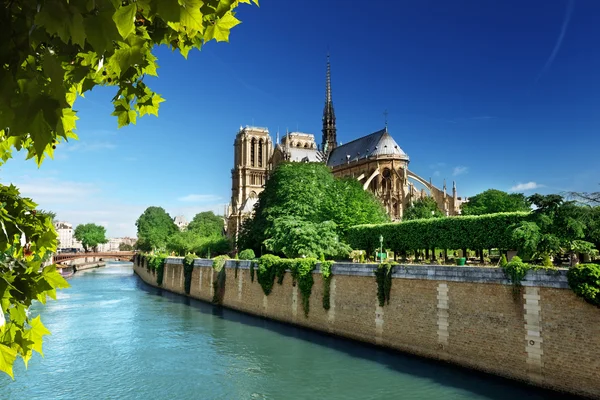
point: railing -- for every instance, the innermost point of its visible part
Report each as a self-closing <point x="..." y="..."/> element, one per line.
<point x="71" y="256"/>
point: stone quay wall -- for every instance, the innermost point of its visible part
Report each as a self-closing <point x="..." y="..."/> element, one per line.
<point x="545" y="335"/>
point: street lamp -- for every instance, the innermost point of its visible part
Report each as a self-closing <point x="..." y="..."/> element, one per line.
<point x="380" y="248"/>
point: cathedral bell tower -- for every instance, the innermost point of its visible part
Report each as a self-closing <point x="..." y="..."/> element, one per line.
<point x="329" y="131"/>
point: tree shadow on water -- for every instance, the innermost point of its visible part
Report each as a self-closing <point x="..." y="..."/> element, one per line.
<point x="482" y="384"/>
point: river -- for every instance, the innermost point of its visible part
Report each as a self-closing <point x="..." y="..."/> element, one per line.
<point x="113" y="337"/>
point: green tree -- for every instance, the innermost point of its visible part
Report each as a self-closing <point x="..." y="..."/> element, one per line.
<point x="90" y="236"/>
<point x="295" y="237"/>
<point x="207" y="224"/>
<point x="310" y="193"/>
<point x="423" y="208"/>
<point x="494" y="201"/>
<point x="56" y="50"/>
<point x="184" y="242"/>
<point x="125" y="247"/>
<point x="27" y="242"/>
<point x="154" y="227"/>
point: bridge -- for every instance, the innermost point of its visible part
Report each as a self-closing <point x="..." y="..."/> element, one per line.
<point x="121" y="255"/>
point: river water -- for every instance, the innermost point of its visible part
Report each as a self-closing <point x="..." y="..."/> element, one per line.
<point x="113" y="337"/>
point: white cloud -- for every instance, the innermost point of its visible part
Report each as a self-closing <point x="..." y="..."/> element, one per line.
<point x="54" y="191"/>
<point x="459" y="170"/>
<point x="199" y="198"/>
<point x="436" y="173"/>
<point x="521" y="187"/>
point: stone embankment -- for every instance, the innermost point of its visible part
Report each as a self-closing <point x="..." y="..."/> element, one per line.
<point x="542" y="334"/>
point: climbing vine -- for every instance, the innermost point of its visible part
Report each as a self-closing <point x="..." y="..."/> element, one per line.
<point x="383" y="276"/>
<point x="219" y="282"/>
<point x="584" y="280"/>
<point x="252" y="271"/>
<point x="156" y="262"/>
<point x="327" y="275"/>
<point x="515" y="271"/>
<point x="301" y="270"/>
<point x="188" y="267"/>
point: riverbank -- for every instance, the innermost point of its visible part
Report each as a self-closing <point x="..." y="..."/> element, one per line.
<point x="544" y="335"/>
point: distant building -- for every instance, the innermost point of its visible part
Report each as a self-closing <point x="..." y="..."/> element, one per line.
<point x="181" y="222"/>
<point x="65" y="236"/>
<point x="114" y="244"/>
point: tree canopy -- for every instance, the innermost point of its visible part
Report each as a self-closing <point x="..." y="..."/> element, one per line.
<point x="154" y="227"/>
<point x="494" y="201"/>
<point x="423" y="208"/>
<point x="308" y="193"/>
<point x="207" y="224"/>
<point x="90" y="235"/>
<point x="56" y="50"/>
<point x="125" y="247"/>
<point x="28" y="242"/>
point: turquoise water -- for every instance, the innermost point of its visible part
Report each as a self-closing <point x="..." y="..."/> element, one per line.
<point x="114" y="337"/>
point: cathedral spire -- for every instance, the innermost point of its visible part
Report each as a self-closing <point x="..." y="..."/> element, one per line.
<point x="329" y="131"/>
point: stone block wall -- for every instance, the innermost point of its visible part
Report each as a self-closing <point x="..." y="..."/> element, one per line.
<point x="543" y="335"/>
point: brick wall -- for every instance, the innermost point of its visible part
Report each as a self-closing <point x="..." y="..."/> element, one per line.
<point x="543" y="335"/>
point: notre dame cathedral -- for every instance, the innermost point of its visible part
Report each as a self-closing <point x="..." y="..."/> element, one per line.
<point x="375" y="160"/>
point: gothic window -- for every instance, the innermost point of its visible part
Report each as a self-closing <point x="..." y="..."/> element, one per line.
<point x="306" y="146"/>
<point x="260" y="153"/>
<point x="252" y="152"/>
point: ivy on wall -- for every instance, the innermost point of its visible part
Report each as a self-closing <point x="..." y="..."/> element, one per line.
<point x="515" y="271"/>
<point x="327" y="275"/>
<point x="383" y="277"/>
<point x="156" y="263"/>
<point x="219" y="282"/>
<point x="188" y="267"/>
<point x="252" y="272"/>
<point x="301" y="269"/>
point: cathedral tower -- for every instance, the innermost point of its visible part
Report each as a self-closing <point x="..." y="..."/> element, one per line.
<point x="253" y="149"/>
<point x="329" y="131"/>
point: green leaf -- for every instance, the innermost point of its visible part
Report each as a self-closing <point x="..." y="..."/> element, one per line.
<point x="191" y="16"/>
<point x="35" y="333"/>
<point x="124" y="17"/>
<point x="220" y="30"/>
<point x="101" y="31"/>
<point x="54" y="278"/>
<point x="7" y="359"/>
<point x="76" y="29"/>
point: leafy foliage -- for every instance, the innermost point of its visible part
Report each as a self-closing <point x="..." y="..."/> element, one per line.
<point x="184" y="242"/>
<point x="515" y="270"/>
<point x="27" y="240"/>
<point x="494" y="201"/>
<point x="219" y="282"/>
<point x="503" y="261"/>
<point x="156" y="262"/>
<point x="246" y="254"/>
<point x="383" y="277"/>
<point x="154" y="227"/>
<point x="327" y="276"/>
<point x="207" y="224"/>
<point x="60" y="49"/>
<point x="301" y="270"/>
<point x="473" y="232"/>
<point x="308" y="193"/>
<point x="125" y="247"/>
<point x="296" y="237"/>
<point x="423" y="208"/>
<point x="584" y="280"/>
<point x="188" y="267"/>
<point x="90" y="235"/>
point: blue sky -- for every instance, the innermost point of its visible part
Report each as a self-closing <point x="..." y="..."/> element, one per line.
<point x="490" y="94"/>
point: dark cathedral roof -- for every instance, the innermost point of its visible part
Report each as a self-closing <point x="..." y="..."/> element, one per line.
<point x="379" y="143"/>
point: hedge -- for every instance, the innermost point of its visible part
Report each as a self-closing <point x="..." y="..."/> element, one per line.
<point x="461" y="232"/>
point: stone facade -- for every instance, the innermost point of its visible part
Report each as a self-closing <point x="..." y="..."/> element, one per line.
<point x="545" y="336"/>
<point x="252" y="150"/>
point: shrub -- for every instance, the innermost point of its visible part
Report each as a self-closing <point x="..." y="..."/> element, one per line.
<point x="546" y="262"/>
<point x="219" y="282"/>
<point x="247" y="254"/>
<point x="584" y="280"/>
<point x="515" y="271"/>
<point x="503" y="261"/>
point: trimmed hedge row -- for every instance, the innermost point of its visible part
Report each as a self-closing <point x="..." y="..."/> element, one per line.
<point x="464" y="232"/>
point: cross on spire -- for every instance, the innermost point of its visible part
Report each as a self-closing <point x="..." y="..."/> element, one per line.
<point x="385" y="115"/>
